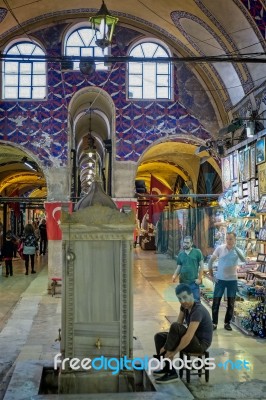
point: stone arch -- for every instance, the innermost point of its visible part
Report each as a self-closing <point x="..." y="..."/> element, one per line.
<point x="176" y="155"/>
<point x="19" y="174"/>
<point x="92" y="110"/>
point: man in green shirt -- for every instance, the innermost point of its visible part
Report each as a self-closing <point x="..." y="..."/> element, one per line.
<point x="190" y="267"/>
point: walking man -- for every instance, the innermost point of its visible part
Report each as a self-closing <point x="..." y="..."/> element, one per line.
<point x="229" y="257"/>
<point x="190" y="267"/>
<point x="43" y="237"/>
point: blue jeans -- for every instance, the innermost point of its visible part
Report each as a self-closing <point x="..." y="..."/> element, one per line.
<point x="219" y="289"/>
<point x="195" y="290"/>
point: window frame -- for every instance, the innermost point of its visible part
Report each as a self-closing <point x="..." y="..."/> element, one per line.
<point x="23" y="58"/>
<point x="156" y="84"/>
<point x="71" y="31"/>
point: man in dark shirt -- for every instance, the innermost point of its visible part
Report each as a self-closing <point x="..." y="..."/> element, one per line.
<point x="195" y="338"/>
<point x="190" y="267"/>
<point x="43" y="237"/>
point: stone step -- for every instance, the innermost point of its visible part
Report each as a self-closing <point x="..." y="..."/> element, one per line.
<point x="28" y="375"/>
<point x="111" y="396"/>
<point x="177" y="389"/>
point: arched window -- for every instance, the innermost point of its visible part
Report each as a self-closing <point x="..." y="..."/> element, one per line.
<point x="149" y="80"/>
<point x="23" y="76"/>
<point x="81" y="43"/>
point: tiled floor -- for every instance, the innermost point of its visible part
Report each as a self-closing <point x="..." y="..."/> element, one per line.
<point x="30" y="319"/>
<point x="154" y="293"/>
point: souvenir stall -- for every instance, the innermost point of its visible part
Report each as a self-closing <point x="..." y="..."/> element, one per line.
<point x="176" y="223"/>
<point x="243" y="211"/>
<point x="179" y="225"/>
<point x="147" y="233"/>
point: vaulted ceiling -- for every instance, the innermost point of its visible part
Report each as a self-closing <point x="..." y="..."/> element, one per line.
<point x="211" y="29"/>
<point x="191" y="28"/>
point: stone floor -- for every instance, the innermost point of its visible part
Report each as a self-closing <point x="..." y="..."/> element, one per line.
<point x="30" y="319"/>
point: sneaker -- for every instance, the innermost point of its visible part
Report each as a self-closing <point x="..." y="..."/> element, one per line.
<point x="228" y="327"/>
<point x="33" y="272"/>
<point x="167" y="378"/>
<point x="214" y="327"/>
<point x="160" y="372"/>
<point x="158" y="356"/>
<point x="26" y="273"/>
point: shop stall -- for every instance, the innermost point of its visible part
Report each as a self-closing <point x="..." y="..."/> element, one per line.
<point x="243" y="211"/>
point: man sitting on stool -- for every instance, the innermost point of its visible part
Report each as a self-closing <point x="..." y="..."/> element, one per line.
<point x="195" y="338"/>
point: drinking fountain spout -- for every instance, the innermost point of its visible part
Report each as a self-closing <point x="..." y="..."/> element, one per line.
<point x="59" y="336"/>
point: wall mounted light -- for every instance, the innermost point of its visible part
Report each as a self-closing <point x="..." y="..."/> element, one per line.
<point x="251" y="123"/>
<point x="250" y="128"/>
<point x="200" y="150"/>
<point x="30" y="164"/>
<point x="232" y="127"/>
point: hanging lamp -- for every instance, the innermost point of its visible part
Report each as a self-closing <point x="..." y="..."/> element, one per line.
<point x="104" y="24"/>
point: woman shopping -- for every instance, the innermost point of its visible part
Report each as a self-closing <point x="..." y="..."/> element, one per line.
<point x="30" y="244"/>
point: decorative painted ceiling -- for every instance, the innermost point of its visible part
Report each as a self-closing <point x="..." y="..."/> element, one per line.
<point x="191" y="28"/>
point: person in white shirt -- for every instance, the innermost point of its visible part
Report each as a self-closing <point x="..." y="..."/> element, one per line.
<point x="229" y="257"/>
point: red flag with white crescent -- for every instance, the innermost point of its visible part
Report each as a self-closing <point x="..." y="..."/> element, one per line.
<point x="53" y="220"/>
<point x="15" y="206"/>
<point x="157" y="205"/>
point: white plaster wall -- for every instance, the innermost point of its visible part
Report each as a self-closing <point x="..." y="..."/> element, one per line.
<point x="124" y="175"/>
<point x="57" y="183"/>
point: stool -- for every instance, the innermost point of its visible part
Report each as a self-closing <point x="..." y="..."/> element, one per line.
<point x="55" y="282"/>
<point x="199" y="372"/>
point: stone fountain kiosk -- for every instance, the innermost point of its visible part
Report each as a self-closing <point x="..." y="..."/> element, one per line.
<point x="97" y="295"/>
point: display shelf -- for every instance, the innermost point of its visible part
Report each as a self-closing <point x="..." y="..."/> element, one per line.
<point x="246" y="297"/>
<point x="243" y="238"/>
<point x="225" y="224"/>
<point x="237" y="219"/>
<point x="238" y="325"/>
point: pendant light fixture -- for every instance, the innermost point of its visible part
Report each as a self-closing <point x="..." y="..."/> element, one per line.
<point x="104" y="24"/>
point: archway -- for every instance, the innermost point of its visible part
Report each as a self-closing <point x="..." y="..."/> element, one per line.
<point x="176" y="169"/>
<point x="92" y="124"/>
<point x="23" y="188"/>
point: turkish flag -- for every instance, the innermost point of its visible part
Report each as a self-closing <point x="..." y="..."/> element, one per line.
<point x="129" y="203"/>
<point x="156" y="206"/>
<point x="53" y="219"/>
<point x="15" y="206"/>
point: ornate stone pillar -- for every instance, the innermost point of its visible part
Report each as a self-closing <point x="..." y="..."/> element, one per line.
<point x="97" y="296"/>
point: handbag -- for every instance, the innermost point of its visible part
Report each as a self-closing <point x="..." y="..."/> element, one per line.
<point x="29" y="250"/>
<point x="20" y="250"/>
